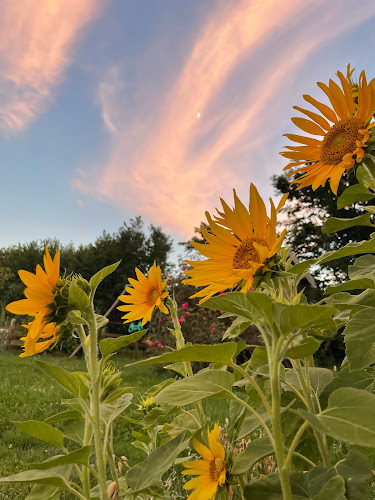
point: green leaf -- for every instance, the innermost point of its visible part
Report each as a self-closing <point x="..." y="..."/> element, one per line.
<point x="359" y="379"/>
<point x="45" y="491"/>
<point x="76" y="318"/>
<point x="353" y="303"/>
<point x="353" y="194"/>
<point x="64" y="415"/>
<point x="69" y="381"/>
<point x="306" y="347"/>
<point x="238" y="326"/>
<point x="110" y="411"/>
<point x="320" y="378"/>
<point x="53" y="477"/>
<point x="258" y="358"/>
<point x="334" y="489"/>
<point x="333" y="224"/>
<point x="349" y="417"/>
<point x="269" y="487"/>
<point x="255" y="451"/>
<point x="302" y="316"/>
<point x="77" y="297"/>
<point x="216" y="353"/>
<point x="360" y="339"/>
<point x="80" y="456"/>
<point x="251" y="423"/>
<point x="42" y="431"/>
<point x="204" y="384"/>
<point x="188" y="421"/>
<point x="363" y="267"/>
<point x="100" y="320"/>
<point x="100" y="275"/>
<point x="358" y="284"/>
<point x="150" y="471"/>
<point x="108" y="346"/>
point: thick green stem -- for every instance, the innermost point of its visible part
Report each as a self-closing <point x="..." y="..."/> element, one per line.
<point x="95" y="403"/>
<point x="275" y="362"/>
<point x="295" y="442"/>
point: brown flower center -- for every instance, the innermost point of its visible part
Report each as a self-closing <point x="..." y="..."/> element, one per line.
<point x="216" y="468"/>
<point x="247" y="253"/>
<point x="341" y="140"/>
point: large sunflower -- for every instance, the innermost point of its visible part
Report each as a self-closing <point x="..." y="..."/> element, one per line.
<point x="146" y="294"/>
<point x="238" y="243"/>
<point x="210" y="471"/>
<point x="343" y="132"/>
<point x="40" y="292"/>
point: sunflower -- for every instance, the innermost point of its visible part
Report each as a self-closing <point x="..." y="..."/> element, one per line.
<point x="40" y="292"/>
<point x="50" y="333"/>
<point x="210" y="471"/>
<point x="238" y="244"/>
<point x="343" y="132"/>
<point x="146" y="294"/>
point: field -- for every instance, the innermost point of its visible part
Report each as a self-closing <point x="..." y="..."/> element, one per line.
<point x="26" y="393"/>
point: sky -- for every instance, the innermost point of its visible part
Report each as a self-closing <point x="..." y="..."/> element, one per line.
<point x="158" y="108"/>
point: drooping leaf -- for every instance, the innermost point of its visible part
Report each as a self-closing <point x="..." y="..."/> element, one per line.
<point x="108" y="346"/>
<point x="255" y="451"/>
<point x="202" y="385"/>
<point x="360" y="339"/>
<point x="215" y="353"/>
<point x="69" y="381"/>
<point x="80" y="456"/>
<point x="148" y="472"/>
<point x="100" y="275"/>
<point x="349" y="417"/>
<point x="42" y="431"/>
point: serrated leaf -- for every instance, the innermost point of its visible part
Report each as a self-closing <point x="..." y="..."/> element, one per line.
<point x="215" y="353"/>
<point x="80" y="456"/>
<point x="353" y="194"/>
<point x="202" y="385"/>
<point x="103" y="273"/>
<point x="151" y="470"/>
<point x="349" y="417"/>
<point x="108" y="346"/>
<point x="305" y="348"/>
<point x="360" y="339"/>
<point x="67" y="380"/>
<point x="77" y="297"/>
<point x="255" y="451"/>
<point x="42" y="431"/>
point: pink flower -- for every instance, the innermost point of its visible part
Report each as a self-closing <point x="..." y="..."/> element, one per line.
<point x="212" y="329"/>
<point x="187" y="313"/>
<point x="184" y="268"/>
<point x="221" y="293"/>
<point x="169" y="318"/>
<point x="160" y="320"/>
<point x="160" y="345"/>
<point x="185" y="305"/>
<point x="204" y="319"/>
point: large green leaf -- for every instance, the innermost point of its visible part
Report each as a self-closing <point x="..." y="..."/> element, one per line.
<point x="305" y="348"/>
<point x="353" y="194"/>
<point x="108" y="346"/>
<point x="150" y="471"/>
<point x="349" y="417"/>
<point x="359" y="379"/>
<point x="357" y="284"/>
<point x="110" y="411"/>
<point x="269" y="487"/>
<point x="54" y="477"/>
<point x="216" y="353"/>
<point x="42" y="431"/>
<point x="103" y="273"/>
<point x="204" y="384"/>
<point x="334" y="489"/>
<point x="80" y="456"/>
<point x="302" y="316"/>
<point x="363" y="267"/>
<point x="255" y="451"/>
<point x="354" y="303"/>
<point x="43" y="491"/>
<point x="334" y="224"/>
<point x="69" y="381"/>
<point x="360" y="339"/>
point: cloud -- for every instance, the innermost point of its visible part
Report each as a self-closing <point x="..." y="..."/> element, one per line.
<point x="169" y="165"/>
<point x="36" y="40"/>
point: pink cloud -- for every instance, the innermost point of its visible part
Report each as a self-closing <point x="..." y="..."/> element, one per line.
<point x="36" y="40"/>
<point x="168" y="165"/>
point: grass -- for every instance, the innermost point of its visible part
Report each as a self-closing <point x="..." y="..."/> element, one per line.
<point x="26" y="393"/>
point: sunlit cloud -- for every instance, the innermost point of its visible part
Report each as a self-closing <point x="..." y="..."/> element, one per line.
<point x="36" y="41"/>
<point x="172" y="163"/>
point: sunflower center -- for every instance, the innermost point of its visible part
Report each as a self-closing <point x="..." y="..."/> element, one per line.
<point x="216" y="468"/>
<point x="341" y="140"/>
<point x="247" y="253"/>
<point x="152" y="297"/>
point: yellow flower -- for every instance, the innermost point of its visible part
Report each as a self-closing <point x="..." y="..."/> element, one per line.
<point x="40" y="292"/>
<point x="238" y="244"/>
<point x="146" y="294"/>
<point x="210" y="471"/>
<point x="344" y="131"/>
<point x="33" y="346"/>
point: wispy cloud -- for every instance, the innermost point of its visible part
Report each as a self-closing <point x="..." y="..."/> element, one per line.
<point x="36" y="39"/>
<point x="170" y="167"/>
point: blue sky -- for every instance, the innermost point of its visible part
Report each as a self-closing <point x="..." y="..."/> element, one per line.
<point x="157" y="108"/>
